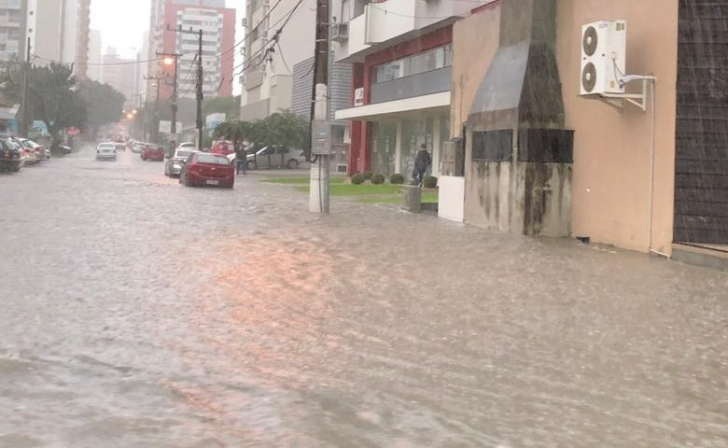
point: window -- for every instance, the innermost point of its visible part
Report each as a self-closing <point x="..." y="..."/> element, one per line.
<point x="345" y="11"/>
<point x="420" y="63"/>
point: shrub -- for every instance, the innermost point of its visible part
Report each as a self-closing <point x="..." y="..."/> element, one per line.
<point x="429" y="182"/>
<point x="377" y="179"/>
<point x="357" y="179"/>
<point x="367" y="175"/>
<point x="396" y="179"/>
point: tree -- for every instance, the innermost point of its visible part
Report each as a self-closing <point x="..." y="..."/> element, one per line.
<point x="236" y="131"/>
<point x="52" y="96"/>
<point x="103" y="104"/>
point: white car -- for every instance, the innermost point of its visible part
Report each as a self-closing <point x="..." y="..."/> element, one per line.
<point x="106" y="151"/>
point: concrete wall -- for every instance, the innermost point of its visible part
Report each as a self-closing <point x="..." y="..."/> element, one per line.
<point x="610" y="190"/>
<point x="612" y="150"/>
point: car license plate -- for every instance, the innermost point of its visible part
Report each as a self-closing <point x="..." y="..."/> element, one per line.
<point x="213" y="182"/>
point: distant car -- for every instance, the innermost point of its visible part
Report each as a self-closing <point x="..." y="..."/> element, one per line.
<point x="106" y="151"/>
<point x="119" y="147"/>
<point x="276" y="157"/>
<point x="152" y="152"/>
<point x="204" y="169"/>
<point x="174" y="165"/>
<point x="186" y="145"/>
<point x="11" y="155"/>
<point x="222" y="147"/>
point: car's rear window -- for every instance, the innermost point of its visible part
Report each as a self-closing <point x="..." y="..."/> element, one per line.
<point x="213" y="159"/>
<point x="183" y="154"/>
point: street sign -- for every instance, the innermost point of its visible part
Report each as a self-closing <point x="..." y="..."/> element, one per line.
<point x="165" y="126"/>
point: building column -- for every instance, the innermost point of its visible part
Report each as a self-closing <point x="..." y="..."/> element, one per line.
<point x="398" y="148"/>
<point x="436" y="147"/>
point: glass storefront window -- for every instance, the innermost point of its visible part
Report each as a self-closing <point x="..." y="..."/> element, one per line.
<point x="384" y="145"/>
<point x="420" y="63"/>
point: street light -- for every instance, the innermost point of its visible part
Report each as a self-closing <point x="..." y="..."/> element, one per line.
<point x="134" y="112"/>
<point x="168" y="60"/>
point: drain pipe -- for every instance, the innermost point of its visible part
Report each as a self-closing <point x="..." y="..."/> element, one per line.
<point x="652" y="80"/>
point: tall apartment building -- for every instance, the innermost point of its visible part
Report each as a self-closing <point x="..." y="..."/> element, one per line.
<point x="13" y="29"/>
<point x="218" y="26"/>
<point x="59" y="31"/>
<point x="267" y="71"/>
<point x="95" y="70"/>
<point x="121" y="74"/>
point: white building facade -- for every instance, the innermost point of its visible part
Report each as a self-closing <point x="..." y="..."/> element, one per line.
<point x="279" y="35"/>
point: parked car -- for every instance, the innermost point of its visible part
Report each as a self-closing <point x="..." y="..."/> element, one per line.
<point x="137" y="147"/>
<point x="152" y="152"/>
<point x="120" y="147"/>
<point x="223" y="147"/>
<point x="41" y="153"/>
<point x="185" y="145"/>
<point x="174" y="165"/>
<point x="204" y="169"/>
<point x="106" y="151"/>
<point x="11" y="155"/>
<point x="276" y="157"/>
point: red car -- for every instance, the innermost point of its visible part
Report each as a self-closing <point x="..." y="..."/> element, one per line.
<point x="203" y="169"/>
<point x="222" y="147"/>
<point x="152" y="152"/>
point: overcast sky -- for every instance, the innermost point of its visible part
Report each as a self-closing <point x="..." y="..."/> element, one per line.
<point x="123" y="22"/>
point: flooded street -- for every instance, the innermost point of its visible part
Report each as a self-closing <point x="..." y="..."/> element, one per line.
<point x="139" y="313"/>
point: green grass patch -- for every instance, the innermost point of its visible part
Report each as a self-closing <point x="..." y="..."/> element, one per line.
<point x="358" y="190"/>
<point x="294" y="180"/>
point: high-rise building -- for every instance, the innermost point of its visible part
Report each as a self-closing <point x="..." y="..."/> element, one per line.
<point x="218" y="39"/>
<point x="94" y="71"/>
<point x="121" y="74"/>
<point x="59" y="32"/>
<point x="279" y="36"/>
<point x="13" y="29"/>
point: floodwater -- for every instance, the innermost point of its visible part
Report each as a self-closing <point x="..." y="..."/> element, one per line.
<point x="139" y="313"/>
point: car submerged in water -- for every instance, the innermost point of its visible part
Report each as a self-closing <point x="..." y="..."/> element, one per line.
<point x="203" y="169"/>
<point x="174" y="164"/>
<point x="11" y="155"/>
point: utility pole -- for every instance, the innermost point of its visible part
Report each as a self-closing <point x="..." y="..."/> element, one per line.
<point x="199" y="83"/>
<point x="157" y="83"/>
<point x="25" y="118"/>
<point x="320" y="130"/>
<point x="200" y="96"/>
<point x="173" y="58"/>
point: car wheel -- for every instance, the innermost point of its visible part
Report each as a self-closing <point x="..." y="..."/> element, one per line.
<point x="252" y="165"/>
<point x="292" y="164"/>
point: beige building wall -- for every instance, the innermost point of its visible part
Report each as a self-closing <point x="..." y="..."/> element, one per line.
<point x="612" y="149"/>
<point x="611" y="180"/>
<point x="475" y="42"/>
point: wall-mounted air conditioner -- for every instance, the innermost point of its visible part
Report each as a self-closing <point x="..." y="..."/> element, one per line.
<point x="340" y="32"/>
<point x="603" y="57"/>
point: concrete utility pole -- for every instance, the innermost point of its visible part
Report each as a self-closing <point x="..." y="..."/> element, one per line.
<point x="199" y="84"/>
<point x="200" y="96"/>
<point x="157" y="83"/>
<point x="173" y="58"/>
<point x="320" y="130"/>
<point x="25" y="118"/>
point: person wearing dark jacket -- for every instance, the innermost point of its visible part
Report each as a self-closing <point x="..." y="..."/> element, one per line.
<point x="422" y="162"/>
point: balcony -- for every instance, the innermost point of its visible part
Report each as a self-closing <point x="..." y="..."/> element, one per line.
<point x="394" y="21"/>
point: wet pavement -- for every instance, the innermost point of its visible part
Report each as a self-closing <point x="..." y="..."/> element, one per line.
<point x="139" y="313"/>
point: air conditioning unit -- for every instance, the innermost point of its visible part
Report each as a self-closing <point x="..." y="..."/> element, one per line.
<point x="340" y="32"/>
<point x="603" y="57"/>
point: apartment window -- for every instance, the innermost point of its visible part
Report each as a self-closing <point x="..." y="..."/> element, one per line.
<point x="359" y="7"/>
<point x="419" y="63"/>
<point x="345" y="11"/>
